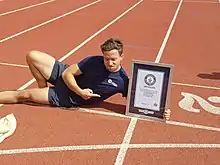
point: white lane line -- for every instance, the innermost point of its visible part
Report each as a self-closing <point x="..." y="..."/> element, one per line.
<point x="15" y="65"/>
<point x="49" y="21"/>
<point x="193" y="126"/>
<point x="187" y="1"/>
<point x="108" y="146"/>
<point x="61" y="148"/>
<point x="101" y="112"/>
<point x="173" y="145"/>
<point x="196" y="86"/>
<point x="24" y="8"/>
<point x="126" y="141"/>
<point x="176" y="123"/>
<point x="122" y="153"/>
<point x="159" y="55"/>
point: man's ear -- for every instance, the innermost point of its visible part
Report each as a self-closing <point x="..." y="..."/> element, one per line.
<point x="122" y="55"/>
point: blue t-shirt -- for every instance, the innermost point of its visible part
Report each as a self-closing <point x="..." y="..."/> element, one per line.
<point x="103" y="82"/>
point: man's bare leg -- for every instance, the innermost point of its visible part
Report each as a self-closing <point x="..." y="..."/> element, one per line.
<point x="41" y="66"/>
<point x="35" y="95"/>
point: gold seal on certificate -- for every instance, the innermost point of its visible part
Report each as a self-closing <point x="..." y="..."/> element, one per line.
<point x="149" y="88"/>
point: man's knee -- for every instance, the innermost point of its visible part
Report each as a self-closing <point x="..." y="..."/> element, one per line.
<point x="33" y="55"/>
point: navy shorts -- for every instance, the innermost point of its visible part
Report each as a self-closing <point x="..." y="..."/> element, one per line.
<point x="59" y="94"/>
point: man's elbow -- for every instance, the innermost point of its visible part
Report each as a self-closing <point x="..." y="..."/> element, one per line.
<point x="65" y="74"/>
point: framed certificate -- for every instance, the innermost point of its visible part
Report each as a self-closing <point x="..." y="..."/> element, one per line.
<point x="149" y="89"/>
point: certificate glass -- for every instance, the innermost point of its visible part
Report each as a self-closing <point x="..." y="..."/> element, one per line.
<point x="149" y="88"/>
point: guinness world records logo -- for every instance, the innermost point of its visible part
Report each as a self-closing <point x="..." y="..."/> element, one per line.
<point x="150" y="79"/>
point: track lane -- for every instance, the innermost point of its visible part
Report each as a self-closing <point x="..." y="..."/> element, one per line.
<point x="192" y="48"/>
<point x="8" y="74"/>
<point x="94" y="157"/>
<point x="29" y="18"/>
<point x="180" y="156"/>
<point x="120" y="135"/>
<point x="70" y="31"/>
<point x="46" y="127"/>
<point x="147" y="133"/>
<point x="194" y="51"/>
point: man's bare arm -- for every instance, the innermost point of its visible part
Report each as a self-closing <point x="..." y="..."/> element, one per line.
<point x="70" y="81"/>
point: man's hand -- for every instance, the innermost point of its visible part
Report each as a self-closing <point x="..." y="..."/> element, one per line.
<point x="167" y="114"/>
<point x="88" y="93"/>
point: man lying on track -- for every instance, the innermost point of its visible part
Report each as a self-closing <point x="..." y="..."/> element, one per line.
<point x="92" y="80"/>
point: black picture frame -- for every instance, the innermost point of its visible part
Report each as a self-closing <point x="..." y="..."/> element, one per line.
<point x="140" y="67"/>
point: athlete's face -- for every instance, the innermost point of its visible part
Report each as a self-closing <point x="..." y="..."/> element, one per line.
<point x="112" y="60"/>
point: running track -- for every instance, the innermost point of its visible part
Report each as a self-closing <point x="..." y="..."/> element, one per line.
<point x="183" y="33"/>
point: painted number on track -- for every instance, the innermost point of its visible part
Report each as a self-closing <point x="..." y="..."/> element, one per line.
<point x="189" y="99"/>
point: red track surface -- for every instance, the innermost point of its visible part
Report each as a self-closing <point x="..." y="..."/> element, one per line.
<point x="192" y="48"/>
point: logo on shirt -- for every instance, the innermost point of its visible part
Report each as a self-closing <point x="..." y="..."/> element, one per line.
<point x="113" y="83"/>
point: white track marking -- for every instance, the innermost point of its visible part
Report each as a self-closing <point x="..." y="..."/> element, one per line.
<point x="101" y="112"/>
<point x="126" y="141"/>
<point x="159" y="55"/>
<point x="16" y="65"/>
<point x="123" y="150"/>
<point x="24" y="8"/>
<point x="173" y="145"/>
<point x="196" y="86"/>
<point x="62" y="148"/>
<point x="173" y="83"/>
<point x="193" y="126"/>
<point x="108" y="146"/>
<point x="49" y="21"/>
<point x="27" y="84"/>
<point x="187" y="1"/>
<point x="177" y="123"/>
